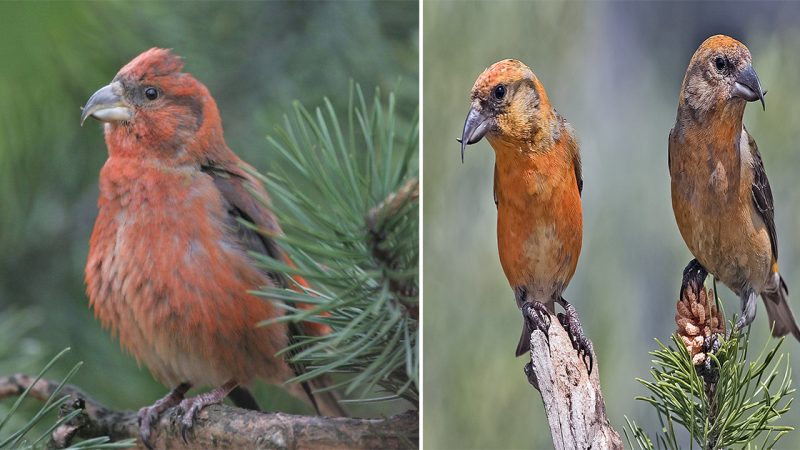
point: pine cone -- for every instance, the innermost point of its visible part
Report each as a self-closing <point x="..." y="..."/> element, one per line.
<point x="698" y="318"/>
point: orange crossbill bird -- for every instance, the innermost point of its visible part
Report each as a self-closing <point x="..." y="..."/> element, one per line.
<point x="168" y="268"/>
<point x="720" y="193"/>
<point x="537" y="190"/>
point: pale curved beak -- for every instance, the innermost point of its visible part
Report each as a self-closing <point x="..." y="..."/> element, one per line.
<point x="107" y="105"/>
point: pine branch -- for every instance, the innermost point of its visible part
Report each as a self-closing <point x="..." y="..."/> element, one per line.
<point x="704" y="384"/>
<point x="347" y="203"/>
<point x="384" y="212"/>
<point x="217" y="426"/>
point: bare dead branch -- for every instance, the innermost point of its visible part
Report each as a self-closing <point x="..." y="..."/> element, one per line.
<point x="572" y="398"/>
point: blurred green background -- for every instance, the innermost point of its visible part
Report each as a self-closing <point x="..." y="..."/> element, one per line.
<point x="614" y="71"/>
<point x="255" y="57"/>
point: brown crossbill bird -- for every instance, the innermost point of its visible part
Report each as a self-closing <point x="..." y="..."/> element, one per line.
<point x="168" y="268"/>
<point x="537" y="190"/>
<point x="720" y="193"/>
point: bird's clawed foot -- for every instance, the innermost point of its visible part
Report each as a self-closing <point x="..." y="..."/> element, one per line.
<point x="709" y="370"/>
<point x="694" y="276"/>
<point x="149" y="414"/>
<point x="537" y="317"/>
<point x="189" y="407"/>
<point x="572" y="324"/>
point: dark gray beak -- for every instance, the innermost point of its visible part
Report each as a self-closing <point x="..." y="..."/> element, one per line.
<point x="107" y="105"/>
<point x="478" y="123"/>
<point x="748" y="87"/>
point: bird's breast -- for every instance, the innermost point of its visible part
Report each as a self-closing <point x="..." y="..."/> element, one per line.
<point x="161" y="262"/>
<point x="713" y="206"/>
<point x="539" y="226"/>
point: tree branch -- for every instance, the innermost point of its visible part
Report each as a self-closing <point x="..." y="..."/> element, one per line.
<point x="221" y="426"/>
<point x="386" y="209"/>
<point x="572" y="399"/>
<point x="408" y="192"/>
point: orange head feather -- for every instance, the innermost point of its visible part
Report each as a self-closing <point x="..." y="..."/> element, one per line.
<point x="509" y="104"/>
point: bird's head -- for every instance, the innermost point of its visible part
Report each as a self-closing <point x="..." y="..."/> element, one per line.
<point x="720" y="78"/>
<point x="509" y="104"/>
<point x="151" y="106"/>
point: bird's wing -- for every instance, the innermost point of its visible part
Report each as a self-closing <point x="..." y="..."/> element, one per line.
<point x="762" y="194"/>
<point x="669" y="151"/>
<point x="240" y="194"/>
<point x="574" y="150"/>
<point x="247" y="200"/>
<point x="495" y="185"/>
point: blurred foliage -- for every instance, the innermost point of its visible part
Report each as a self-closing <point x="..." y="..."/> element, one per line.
<point x="19" y="352"/>
<point x="42" y="423"/>
<point x="255" y="58"/>
<point x="613" y="70"/>
<point x="357" y="244"/>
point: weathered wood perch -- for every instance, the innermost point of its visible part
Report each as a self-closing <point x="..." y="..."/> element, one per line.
<point x="221" y="426"/>
<point x="572" y="399"/>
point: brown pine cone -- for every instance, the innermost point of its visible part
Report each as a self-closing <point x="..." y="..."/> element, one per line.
<point x="698" y="318"/>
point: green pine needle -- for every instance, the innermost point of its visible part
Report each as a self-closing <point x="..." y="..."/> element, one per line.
<point x="749" y="397"/>
<point x="347" y="206"/>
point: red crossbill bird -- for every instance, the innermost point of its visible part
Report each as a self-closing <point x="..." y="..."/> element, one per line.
<point x="168" y="269"/>
<point x="720" y="193"/>
<point x="537" y="189"/>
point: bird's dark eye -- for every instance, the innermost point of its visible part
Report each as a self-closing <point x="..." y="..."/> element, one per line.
<point x="151" y="93"/>
<point x="499" y="92"/>
<point x="720" y="63"/>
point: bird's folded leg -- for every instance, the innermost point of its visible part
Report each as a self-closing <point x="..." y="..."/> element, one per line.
<point x="149" y="414"/>
<point x="192" y="405"/>
<point x="748" y="309"/>
<point x="694" y="276"/>
<point x="572" y="323"/>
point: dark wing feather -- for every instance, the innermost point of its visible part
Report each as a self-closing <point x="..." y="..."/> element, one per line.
<point x="495" y="185"/>
<point x="239" y="193"/>
<point x="762" y="194"/>
<point x="669" y="150"/>
<point x="567" y="131"/>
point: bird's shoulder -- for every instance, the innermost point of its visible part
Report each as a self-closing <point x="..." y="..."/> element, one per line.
<point x="242" y="192"/>
<point x="568" y="135"/>
<point x="246" y="202"/>
<point x="670" y="140"/>
<point x="674" y="143"/>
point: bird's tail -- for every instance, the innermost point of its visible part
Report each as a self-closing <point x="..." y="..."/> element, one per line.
<point x="524" y="345"/>
<point x="776" y="299"/>
<point x="325" y="403"/>
<point x="243" y="398"/>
